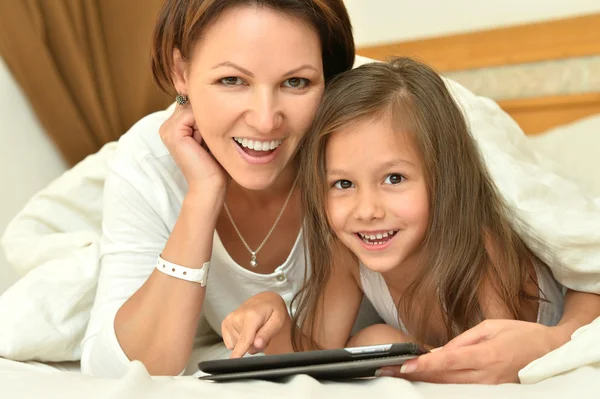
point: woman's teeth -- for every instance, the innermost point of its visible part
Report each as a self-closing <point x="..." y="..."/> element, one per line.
<point x="379" y="238"/>
<point x="258" y="145"/>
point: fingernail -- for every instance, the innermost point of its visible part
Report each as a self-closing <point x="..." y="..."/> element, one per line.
<point x="408" y="368"/>
<point x="384" y="373"/>
<point x="259" y="343"/>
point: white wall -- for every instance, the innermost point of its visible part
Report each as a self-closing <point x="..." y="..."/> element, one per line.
<point x="380" y="21"/>
<point x="28" y="160"/>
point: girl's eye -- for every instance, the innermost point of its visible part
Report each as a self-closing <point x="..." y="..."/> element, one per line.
<point x="296" y="83"/>
<point x="232" y="81"/>
<point x="394" y="178"/>
<point x="343" y="184"/>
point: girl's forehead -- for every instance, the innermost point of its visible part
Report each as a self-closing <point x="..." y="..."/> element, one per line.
<point x="365" y="135"/>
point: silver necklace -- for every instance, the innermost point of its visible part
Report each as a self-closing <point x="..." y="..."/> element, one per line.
<point x="253" y="261"/>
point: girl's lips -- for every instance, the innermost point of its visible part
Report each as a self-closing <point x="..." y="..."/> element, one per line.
<point x="257" y="160"/>
<point x="376" y="247"/>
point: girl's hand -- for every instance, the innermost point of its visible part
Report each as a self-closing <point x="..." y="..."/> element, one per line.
<point x="252" y="326"/>
<point x="182" y="138"/>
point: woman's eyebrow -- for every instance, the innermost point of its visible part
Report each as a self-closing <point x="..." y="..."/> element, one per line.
<point x="247" y="72"/>
<point x="296" y="70"/>
<point x="232" y="65"/>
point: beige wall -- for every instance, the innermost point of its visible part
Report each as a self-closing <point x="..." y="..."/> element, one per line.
<point x="28" y="160"/>
<point x="377" y="21"/>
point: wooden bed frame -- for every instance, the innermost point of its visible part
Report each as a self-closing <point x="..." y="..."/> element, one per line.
<point x="553" y="40"/>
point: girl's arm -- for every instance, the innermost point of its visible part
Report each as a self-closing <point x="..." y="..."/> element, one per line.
<point x="263" y="324"/>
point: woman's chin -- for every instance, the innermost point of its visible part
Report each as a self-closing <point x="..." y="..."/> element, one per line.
<point x="256" y="181"/>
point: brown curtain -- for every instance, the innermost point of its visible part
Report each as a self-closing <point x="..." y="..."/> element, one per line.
<point x="84" y="65"/>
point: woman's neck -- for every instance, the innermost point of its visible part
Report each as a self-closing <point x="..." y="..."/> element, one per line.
<point x="259" y="199"/>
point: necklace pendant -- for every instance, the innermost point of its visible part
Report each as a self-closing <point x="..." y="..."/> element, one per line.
<point x="253" y="262"/>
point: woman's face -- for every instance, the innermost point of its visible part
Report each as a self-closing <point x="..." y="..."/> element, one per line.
<point x="254" y="82"/>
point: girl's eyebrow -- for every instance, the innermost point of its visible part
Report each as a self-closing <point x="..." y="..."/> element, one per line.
<point x="383" y="166"/>
<point x="396" y="162"/>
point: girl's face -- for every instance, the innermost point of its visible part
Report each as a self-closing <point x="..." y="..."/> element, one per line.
<point x="377" y="202"/>
<point x="254" y="82"/>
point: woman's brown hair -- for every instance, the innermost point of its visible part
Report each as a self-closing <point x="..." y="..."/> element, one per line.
<point x="466" y="211"/>
<point x="181" y="23"/>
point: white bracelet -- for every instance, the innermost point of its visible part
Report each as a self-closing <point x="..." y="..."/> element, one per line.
<point x="184" y="273"/>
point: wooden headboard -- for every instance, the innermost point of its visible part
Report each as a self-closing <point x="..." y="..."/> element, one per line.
<point x="534" y="45"/>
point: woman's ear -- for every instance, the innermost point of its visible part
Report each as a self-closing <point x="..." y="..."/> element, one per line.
<point x="179" y="73"/>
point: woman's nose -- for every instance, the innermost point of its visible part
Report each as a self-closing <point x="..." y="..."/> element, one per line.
<point x="265" y="114"/>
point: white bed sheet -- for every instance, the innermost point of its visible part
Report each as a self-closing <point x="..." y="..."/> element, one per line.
<point x="22" y="380"/>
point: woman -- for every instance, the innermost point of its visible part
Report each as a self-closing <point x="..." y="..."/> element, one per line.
<point x="250" y="75"/>
<point x="248" y="95"/>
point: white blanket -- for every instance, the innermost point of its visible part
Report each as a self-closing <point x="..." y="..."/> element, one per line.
<point x="26" y="381"/>
<point x="54" y="242"/>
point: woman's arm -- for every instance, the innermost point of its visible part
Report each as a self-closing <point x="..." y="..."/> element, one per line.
<point x="157" y="324"/>
<point x="140" y="313"/>
<point x="494" y="351"/>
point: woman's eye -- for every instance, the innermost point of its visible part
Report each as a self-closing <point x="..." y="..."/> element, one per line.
<point x="296" y="83"/>
<point x="343" y="184"/>
<point x="394" y="178"/>
<point x="232" y="81"/>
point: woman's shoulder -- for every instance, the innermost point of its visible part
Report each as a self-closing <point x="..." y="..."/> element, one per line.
<point x="142" y="140"/>
<point x="141" y="159"/>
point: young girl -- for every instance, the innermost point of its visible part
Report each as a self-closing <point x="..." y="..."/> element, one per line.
<point x="391" y="172"/>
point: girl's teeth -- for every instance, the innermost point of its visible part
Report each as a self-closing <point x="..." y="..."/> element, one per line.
<point x="375" y="239"/>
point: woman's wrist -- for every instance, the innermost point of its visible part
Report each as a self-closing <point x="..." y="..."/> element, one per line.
<point x="561" y="334"/>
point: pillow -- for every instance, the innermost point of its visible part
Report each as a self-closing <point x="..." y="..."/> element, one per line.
<point x="54" y="242"/>
<point x="575" y="149"/>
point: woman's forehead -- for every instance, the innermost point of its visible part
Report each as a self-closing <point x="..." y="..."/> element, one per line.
<point x="254" y="37"/>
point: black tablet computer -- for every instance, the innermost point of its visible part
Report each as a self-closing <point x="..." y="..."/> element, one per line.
<point x="331" y="364"/>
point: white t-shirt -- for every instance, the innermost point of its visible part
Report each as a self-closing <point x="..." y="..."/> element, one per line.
<point x="142" y="199"/>
<point x="550" y="308"/>
<point x="143" y="194"/>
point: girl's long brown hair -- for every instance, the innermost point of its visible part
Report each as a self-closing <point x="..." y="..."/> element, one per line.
<point x="466" y="211"/>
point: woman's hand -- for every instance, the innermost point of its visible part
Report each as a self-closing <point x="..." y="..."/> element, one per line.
<point x="252" y="326"/>
<point x="182" y="138"/>
<point x="492" y="352"/>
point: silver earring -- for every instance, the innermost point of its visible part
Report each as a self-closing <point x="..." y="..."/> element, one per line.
<point x="181" y="100"/>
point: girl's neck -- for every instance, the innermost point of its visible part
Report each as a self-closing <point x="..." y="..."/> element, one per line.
<point x="400" y="277"/>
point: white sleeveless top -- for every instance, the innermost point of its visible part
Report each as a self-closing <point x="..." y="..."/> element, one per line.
<point x="378" y="293"/>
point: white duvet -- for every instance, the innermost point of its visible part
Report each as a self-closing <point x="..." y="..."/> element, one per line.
<point x="53" y="244"/>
